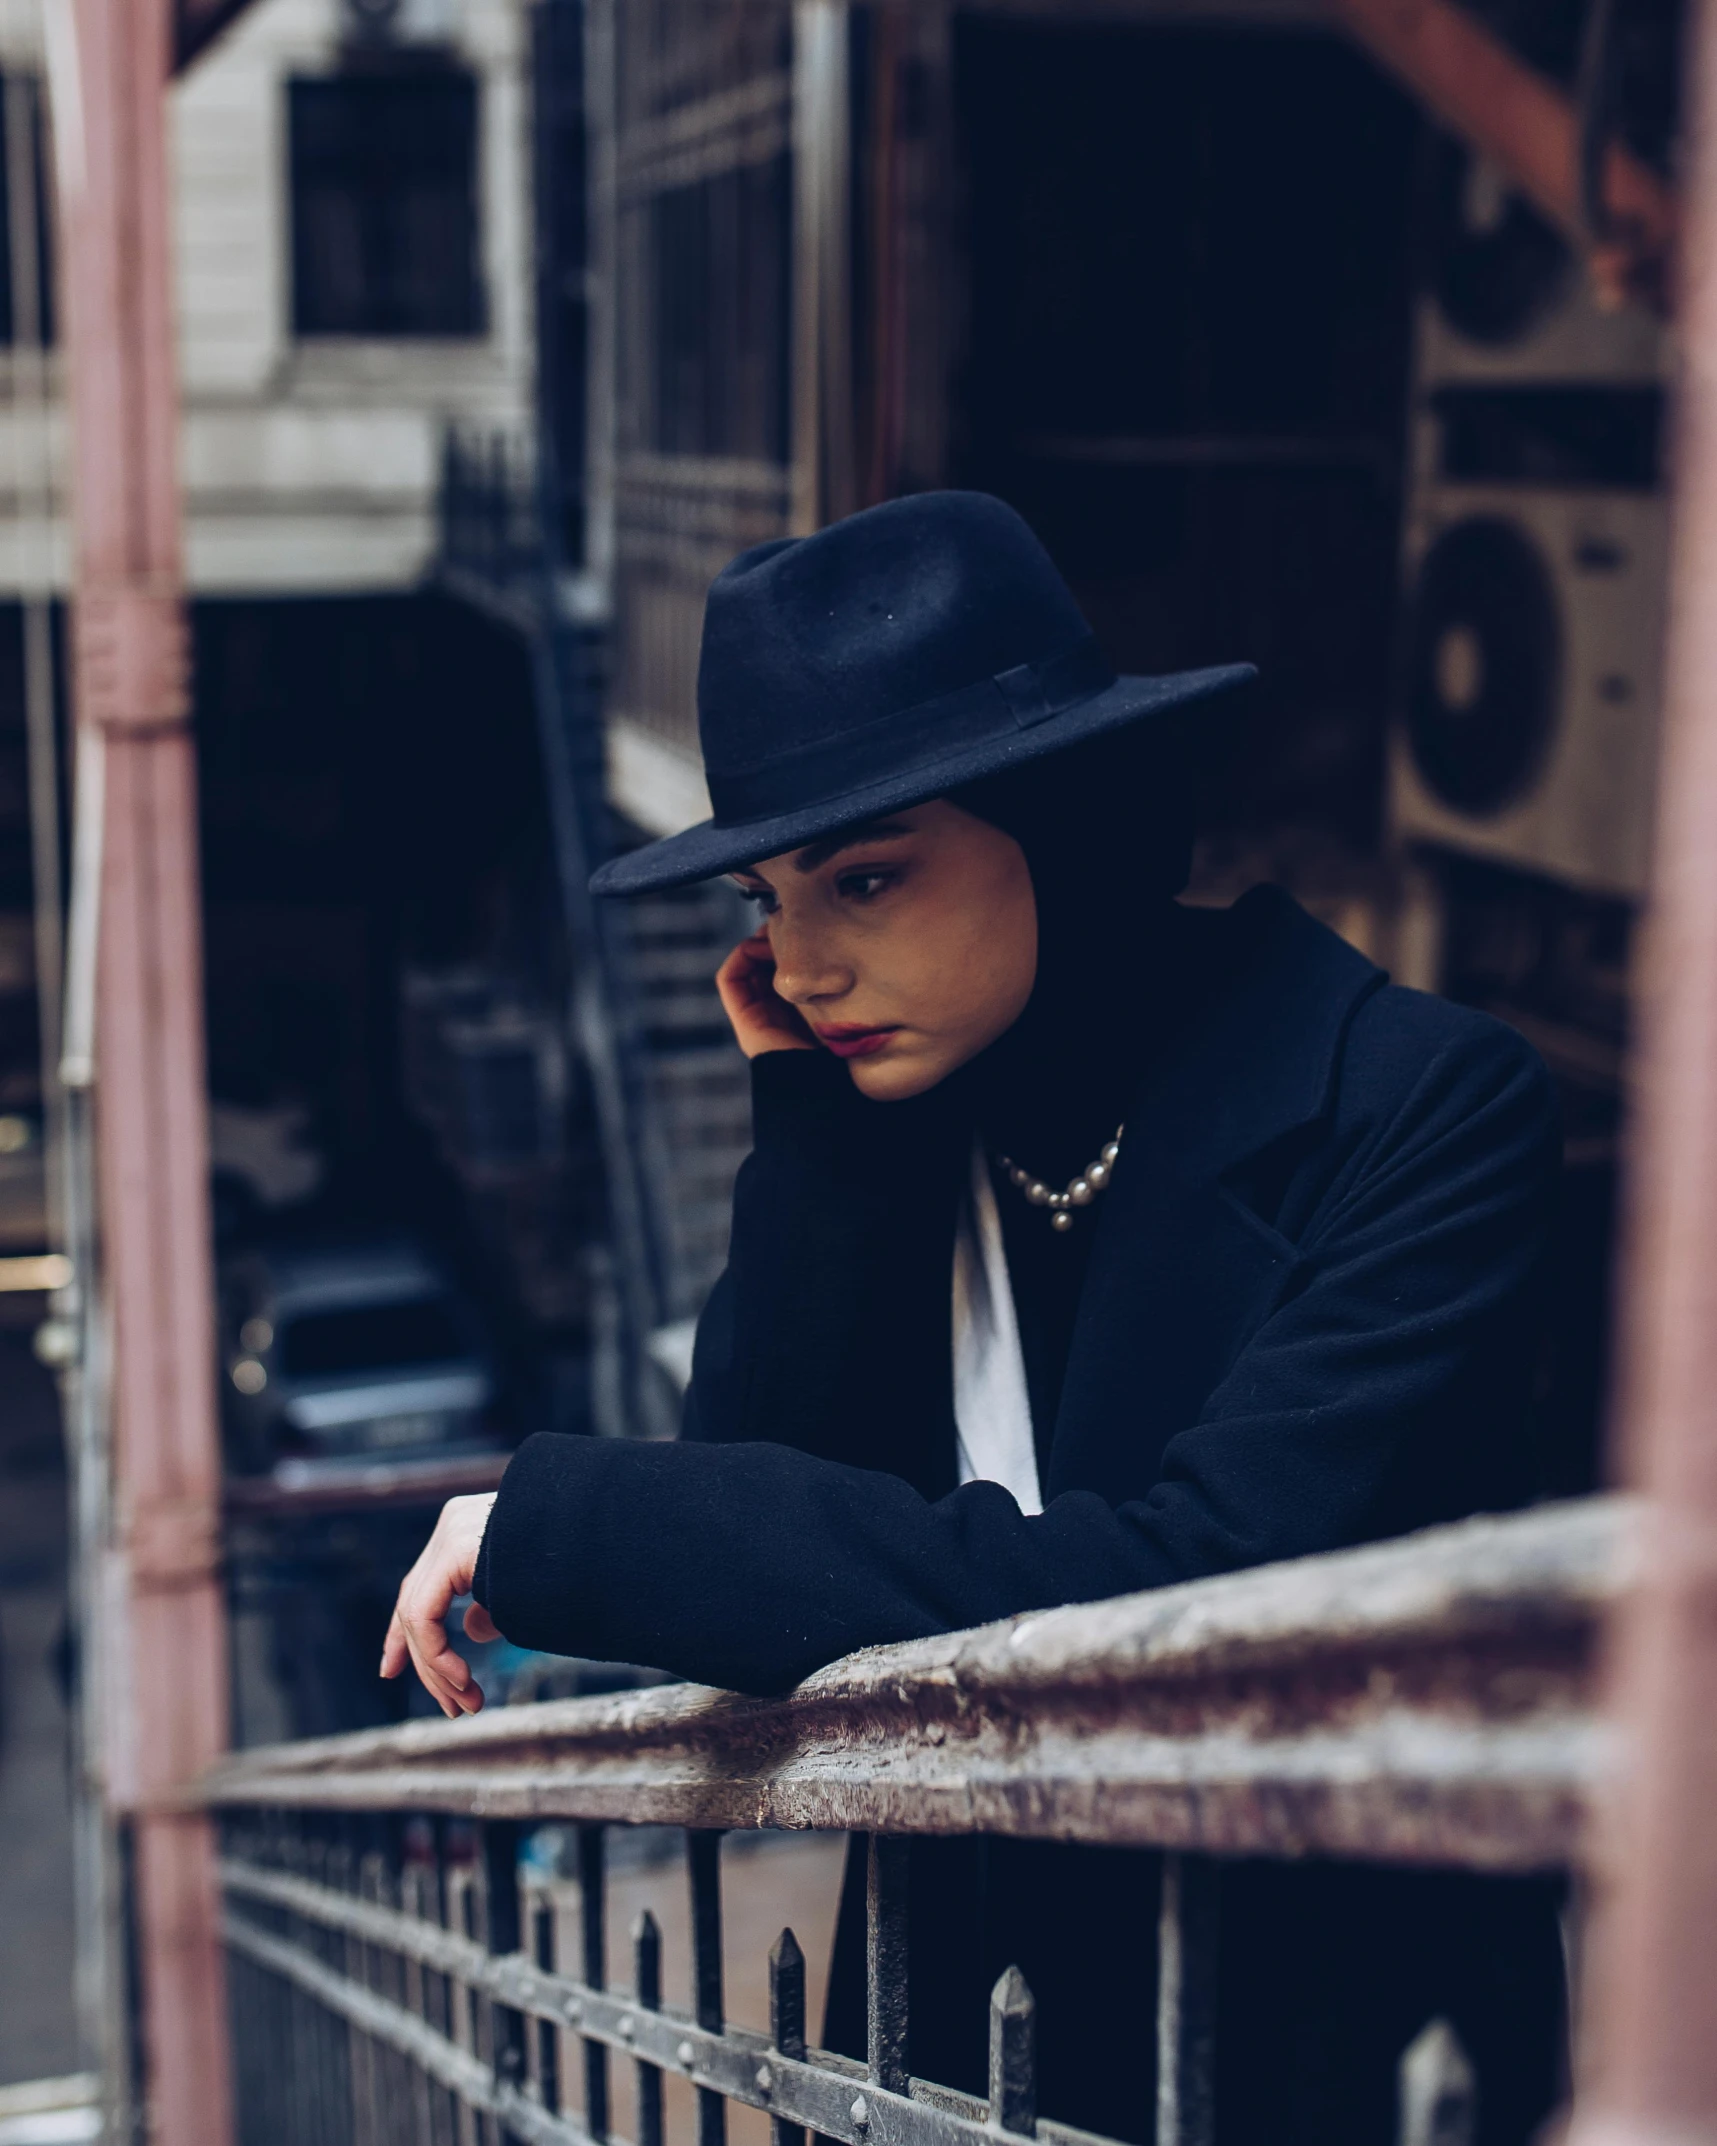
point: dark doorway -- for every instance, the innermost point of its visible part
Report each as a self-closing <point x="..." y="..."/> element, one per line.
<point x="1187" y="358"/>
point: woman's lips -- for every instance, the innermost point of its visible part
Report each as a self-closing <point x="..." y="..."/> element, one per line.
<point x="856" y="1042"/>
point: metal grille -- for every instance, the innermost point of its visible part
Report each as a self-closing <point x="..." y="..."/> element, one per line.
<point x="700" y="1086"/>
<point x="396" y="1980"/>
<point x="395" y="1975"/>
<point x="704" y="204"/>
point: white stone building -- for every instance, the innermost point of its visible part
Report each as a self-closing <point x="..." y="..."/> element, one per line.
<point x="314" y="407"/>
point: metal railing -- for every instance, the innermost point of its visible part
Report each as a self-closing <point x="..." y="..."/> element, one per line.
<point x="392" y="1935"/>
<point x="489" y="547"/>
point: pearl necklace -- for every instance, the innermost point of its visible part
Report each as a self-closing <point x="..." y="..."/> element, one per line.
<point x="1081" y="1190"/>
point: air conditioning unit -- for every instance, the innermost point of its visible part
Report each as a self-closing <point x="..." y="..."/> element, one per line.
<point x="1528" y="730"/>
<point x="1506" y="297"/>
<point x="1534" y="557"/>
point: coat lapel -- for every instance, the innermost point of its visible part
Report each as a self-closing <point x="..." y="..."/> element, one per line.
<point x="1182" y="1269"/>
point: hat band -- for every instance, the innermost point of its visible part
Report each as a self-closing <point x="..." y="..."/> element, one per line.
<point x="906" y="739"/>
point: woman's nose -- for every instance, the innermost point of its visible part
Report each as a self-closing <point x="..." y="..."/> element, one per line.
<point x="806" y="968"/>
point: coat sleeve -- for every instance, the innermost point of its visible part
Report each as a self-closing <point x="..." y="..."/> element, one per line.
<point x="750" y="1564"/>
<point x="837" y="1279"/>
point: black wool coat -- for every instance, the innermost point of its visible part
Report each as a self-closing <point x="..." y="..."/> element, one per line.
<point x="1308" y="1321"/>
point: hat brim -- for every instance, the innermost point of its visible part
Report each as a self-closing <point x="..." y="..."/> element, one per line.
<point x="709" y="849"/>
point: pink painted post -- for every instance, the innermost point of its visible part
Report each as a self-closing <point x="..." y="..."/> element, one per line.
<point x="165" y="1645"/>
<point x="1649" y="2069"/>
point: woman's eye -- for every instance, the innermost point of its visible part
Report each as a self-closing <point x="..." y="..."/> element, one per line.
<point x="864" y="886"/>
<point x="762" y="898"/>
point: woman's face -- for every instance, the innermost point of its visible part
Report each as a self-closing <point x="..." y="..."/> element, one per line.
<point x="906" y="945"/>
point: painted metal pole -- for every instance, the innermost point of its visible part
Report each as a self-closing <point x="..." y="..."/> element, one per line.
<point x="1468" y="77"/>
<point x="1649" y="2061"/>
<point x="164" y="1632"/>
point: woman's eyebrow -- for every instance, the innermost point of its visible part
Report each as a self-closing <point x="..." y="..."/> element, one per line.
<point x="818" y="854"/>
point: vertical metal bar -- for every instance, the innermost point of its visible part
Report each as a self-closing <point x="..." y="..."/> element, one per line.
<point x="886" y="327"/>
<point x="339" y="2045"/>
<point x="822" y="383"/>
<point x="34" y="496"/>
<point x="787" y="2021"/>
<point x="464" y="2004"/>
<point x="604" y="1018"/>
<point x="1649" y="2067"/>
<point x="647" y="1981"/>
<point x="109" y="68"/>
<point x="339" y="1862"/>
<point x="593" y="1940"/>
<point x="416" y="1839"/>
<point x="503" y="1936"/>
<point x="1013" y="2055"/>
<point x="601" y="435"/>
<point x="303" y="2073"/>
<point x="1186" y="2002"/>
<point x="475" y="2009"/>
<point x="309" y="2055"/>
<point x="545" y="1951"/>
<point x="450" y="2120"/>
<point x="703" y="1859"/>
<point x="394" y="1979"/>
<point x="886" y="1873"/>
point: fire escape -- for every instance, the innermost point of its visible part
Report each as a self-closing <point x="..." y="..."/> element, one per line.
<point x="520" y="539"/>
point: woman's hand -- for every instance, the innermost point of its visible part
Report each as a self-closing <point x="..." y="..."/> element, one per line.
<point x="762" y="1019"/>
<point x="418" y="1628"/>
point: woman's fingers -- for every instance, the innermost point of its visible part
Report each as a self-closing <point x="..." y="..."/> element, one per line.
<point x="395" y="1652"/>
<point x="448" y="1680"/>
<point x="418" y="1628"/>
<point x="424" y="1602"/>
<point x="746" y="974"/>
<point x="479" y="1625"/>
<point x="444" y="1674"/>
<point x="760" y="1017"/>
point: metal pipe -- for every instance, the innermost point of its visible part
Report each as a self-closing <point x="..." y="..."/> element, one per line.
<point x="1649" y="2067"/>
<point x="160" y="1632"/>
<point x="34" y="495"/>
<point x="1471" y="80"/>
<point x="823" y="483"/>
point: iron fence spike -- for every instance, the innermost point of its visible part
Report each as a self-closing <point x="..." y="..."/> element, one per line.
<point x="1013" y="2054"/>
<point x="647" y="1961"/>
<point x="787" y="1995"/>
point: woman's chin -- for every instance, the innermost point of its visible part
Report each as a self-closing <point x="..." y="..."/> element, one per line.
<point x="894" y="1075"/>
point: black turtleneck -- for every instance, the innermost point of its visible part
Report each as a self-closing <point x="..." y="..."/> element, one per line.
<point x="1106" y="836"/>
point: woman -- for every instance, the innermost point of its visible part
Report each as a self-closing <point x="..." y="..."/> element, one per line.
<point x="1088" y="1244"/>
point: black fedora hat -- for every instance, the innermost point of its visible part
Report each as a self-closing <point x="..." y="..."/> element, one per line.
<point x="889" y="658"/>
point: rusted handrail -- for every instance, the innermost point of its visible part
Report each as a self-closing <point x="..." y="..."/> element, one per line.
<point x="1428" y="1699"/>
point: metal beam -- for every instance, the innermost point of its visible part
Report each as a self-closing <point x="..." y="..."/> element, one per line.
<point x="163" y="1639"/>
<point x="1650" y="2069"/>
<point x="1473" y="83"/>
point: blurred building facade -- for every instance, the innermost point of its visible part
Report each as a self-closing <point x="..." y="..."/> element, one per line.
<point x="1251" y="362"/>
<point x="1278" y="366"/>
<point x="352" y="239"/>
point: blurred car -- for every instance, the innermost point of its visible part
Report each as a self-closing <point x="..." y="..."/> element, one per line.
<point x="336" y="1359"/>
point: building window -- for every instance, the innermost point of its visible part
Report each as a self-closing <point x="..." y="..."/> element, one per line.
<point x="719" y="256"/>
<point x="384" y="205"/>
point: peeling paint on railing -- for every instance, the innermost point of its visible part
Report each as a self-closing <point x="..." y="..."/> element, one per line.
<point x="1429" y="1699"/>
